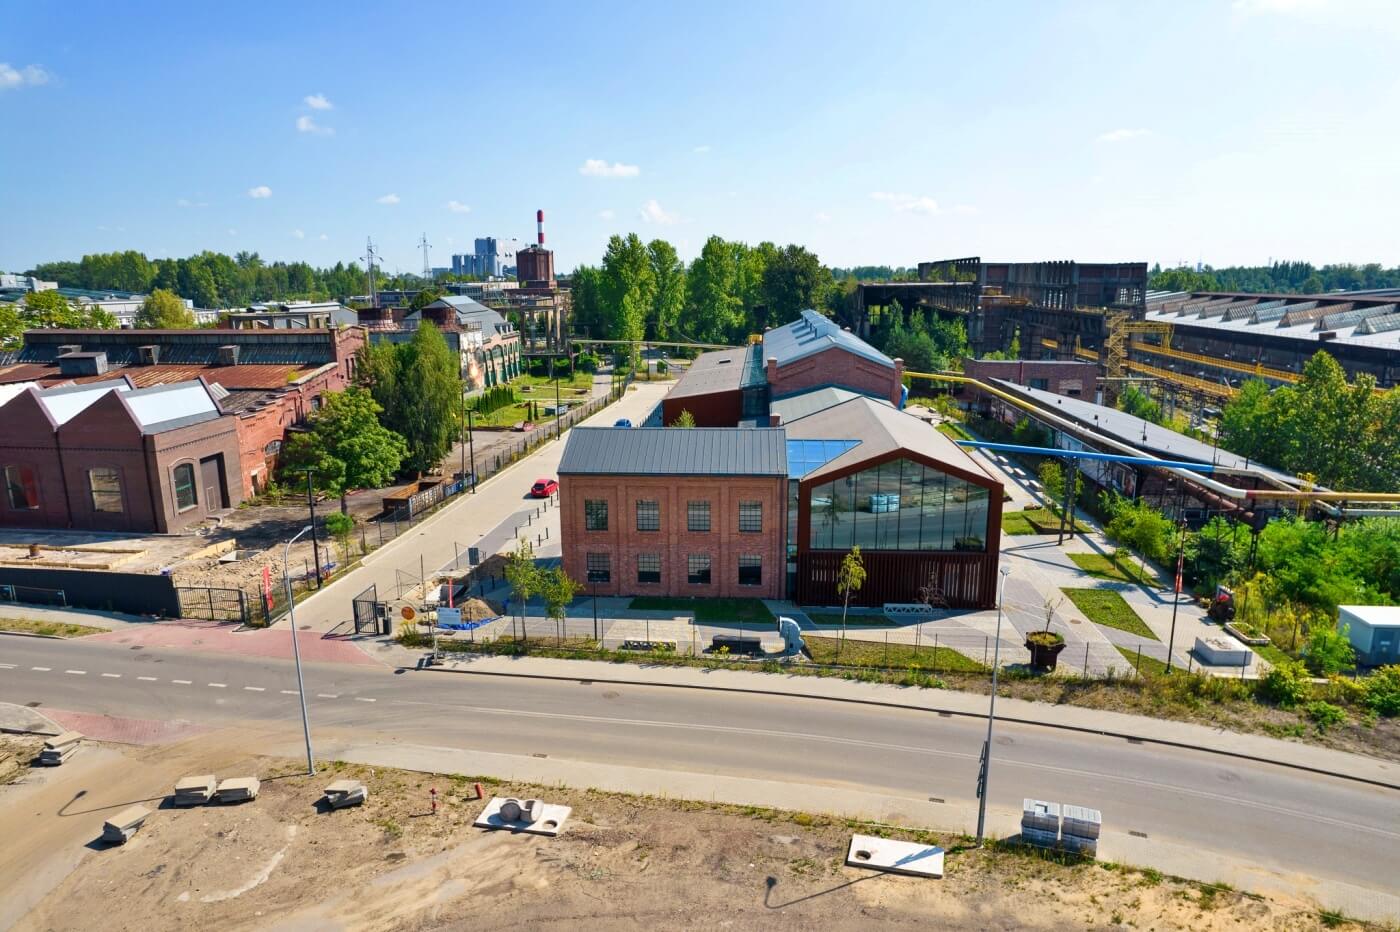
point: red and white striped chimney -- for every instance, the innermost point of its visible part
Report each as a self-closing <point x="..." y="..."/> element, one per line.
<point x="539" y="225"/>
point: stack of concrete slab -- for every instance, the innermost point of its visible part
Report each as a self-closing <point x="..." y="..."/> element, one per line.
<point x="344" y="793"/>
<point x="524" y="815"/>
<point x="1040" y="823"/>
<point x="120" y="827"/>
<point x="239" y="789"/>
<point x="1079" y="830"/>
<point x="58" y="749"/>
<point x="194" y="791"/>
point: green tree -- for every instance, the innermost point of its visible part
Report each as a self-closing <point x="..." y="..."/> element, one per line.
<point x="629" y="289"/>
<point x="668" y="272"/>
<point x="11" y="327"/>
<point x="44" y="310"/>
<point x="1052" y="477"/>
<point x="849" y="578"/>
<point x="1328" y="651"/>
<point x="377" y="369"/>
<point x="558" y="591"/>
<point x="1247" y="423"/>
<point x="424" y="297"/>
<point x="684" y="419"/>
<point x="523" y="575"/>
<point x="346" y="445"/>
<point x="163" y="310"/>
<point x="714" y="307"/>
<point x="589" y="317"/>
<point x="341" y="526"/>
<point x="793" y="280"/>
<point x="429" y="394"/>
<point x="1136" y="402"/>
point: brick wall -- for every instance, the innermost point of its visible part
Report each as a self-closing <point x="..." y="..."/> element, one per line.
<point x="28" y="441"/>
<point x="724" y="542"/>
<point x="1073" y="379"/>
<point x="835" y="366"/>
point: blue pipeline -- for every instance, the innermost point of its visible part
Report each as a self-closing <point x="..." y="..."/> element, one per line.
<point x="1087" y="455"/>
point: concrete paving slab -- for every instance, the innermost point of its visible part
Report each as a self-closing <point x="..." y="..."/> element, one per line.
<point x="22" y="720"/>
<point x="896" y="857"/>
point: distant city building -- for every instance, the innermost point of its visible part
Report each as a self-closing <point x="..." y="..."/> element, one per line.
<point x="491" y="258"/>
<point x="296" y="315"/>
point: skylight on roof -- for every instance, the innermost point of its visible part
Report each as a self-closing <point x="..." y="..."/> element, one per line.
<point x="806" y="455"/>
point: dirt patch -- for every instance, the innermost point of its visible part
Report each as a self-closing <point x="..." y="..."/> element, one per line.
<point x="622" y="863"/>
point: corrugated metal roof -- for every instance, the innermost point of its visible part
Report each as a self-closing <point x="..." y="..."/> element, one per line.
<point x="811" y="334"/>
<point x="719" y="371"/>
<point x="796" y="406"/>
<point x="66" y="403"/>
<point x="676" y="451"/>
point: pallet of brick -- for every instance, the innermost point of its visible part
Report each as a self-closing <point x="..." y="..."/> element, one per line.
<point x="1085" y="847"/>
<point x="238" y="789"/>
<point x="1080" y="821"/>
<point x="120" y="827"/>
<point x="1040" y="815"/>
<point x="194" y="791"/>
<point x="343" y="793"/>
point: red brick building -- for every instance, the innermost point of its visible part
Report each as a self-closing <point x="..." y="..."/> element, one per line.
<point x="1071" y="378"/>
<point x="107" y="456"/>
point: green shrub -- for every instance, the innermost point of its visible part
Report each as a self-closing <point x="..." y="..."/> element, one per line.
<point x="1383" y="691"/>
<point x="1328" y="651"/>
<point x="1285" y="685"/>
<point x="1325" y="714"/>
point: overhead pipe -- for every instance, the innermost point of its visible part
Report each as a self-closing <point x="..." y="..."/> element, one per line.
<point x="1229" y="491"/>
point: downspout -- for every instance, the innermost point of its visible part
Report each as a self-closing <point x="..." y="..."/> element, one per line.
<point x="147" y="440"/>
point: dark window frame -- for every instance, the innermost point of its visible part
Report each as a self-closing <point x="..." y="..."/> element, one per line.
<point x="111" y="496"/>
<point x="751" y="561"/>
<point x="645" y="572"/>
<point x="653" y="517"/>
<point x="23" y="473"/>
<point x="699" y="569"/>
<point x="192" y="487"/>
<point x="598" y="567"/>
<point x="751" y="517"/>
<point x="595" y="514"/>
<point x="697" y="513"/>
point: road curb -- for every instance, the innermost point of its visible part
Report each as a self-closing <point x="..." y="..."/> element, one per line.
<point x="1081" y="729"/>
<point x="32" y="634"/>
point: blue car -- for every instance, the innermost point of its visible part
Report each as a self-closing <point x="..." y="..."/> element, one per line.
<point x="622" y="422"/>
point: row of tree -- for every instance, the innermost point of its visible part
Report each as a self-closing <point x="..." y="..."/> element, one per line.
<point x="209" y="279"/>
<point x="1277" y="278"/>
<point x="643" y="291"/>
<point x="44" y="310"/>
<point x="1346" y="437"/>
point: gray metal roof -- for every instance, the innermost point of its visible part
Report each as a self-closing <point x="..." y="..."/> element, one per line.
<point x="677" y="451"/>
<point x="812" y="333"/>
<point x="798" y="406"/>
<point x="720" y="371"/>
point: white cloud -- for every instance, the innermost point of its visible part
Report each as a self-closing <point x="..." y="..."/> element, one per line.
<point x="186" y="202"/>
<point x="821" y="216"/>
<point x="261" y="191"/>
<point x="318" y="102"/>
<point x="1123" y="135"/>
<point x="306" y="124"/>
<point x="299" y="234"/>
<point x="323" y="237"/>
<point x="387" y="199"/>
<point x="702" y="149"/>
<point x="457" y="207"/>
<point x="907" y="203"/>
<point x="12" y="77"/>
<point x="607" y="214"/>
<point x="601" y="168"/>
<point x="652" y="212"/>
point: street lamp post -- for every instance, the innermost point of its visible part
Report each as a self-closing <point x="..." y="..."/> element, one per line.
<point x="471" y="448"/>
<point x="315" y="545"/>
<point x="991" y="717"/>
<point x="1176" y="590"/>
<point x="296" y="649"/>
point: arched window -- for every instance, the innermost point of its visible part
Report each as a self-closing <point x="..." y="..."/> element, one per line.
<point x="185" y="494"/>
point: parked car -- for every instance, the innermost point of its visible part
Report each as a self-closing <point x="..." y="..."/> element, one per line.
<point x="544" y="488"/>
<point x="622" y="422"/>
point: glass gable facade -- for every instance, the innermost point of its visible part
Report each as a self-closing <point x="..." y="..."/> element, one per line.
<point x="806" y="455"/>
<point x="899" y="505"/>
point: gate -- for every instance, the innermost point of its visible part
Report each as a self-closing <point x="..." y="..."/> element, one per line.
<point x="214" y="604"/>
<point x="367" y="609"/>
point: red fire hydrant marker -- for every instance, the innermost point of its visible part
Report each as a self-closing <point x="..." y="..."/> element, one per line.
<point x="480" y="794"/>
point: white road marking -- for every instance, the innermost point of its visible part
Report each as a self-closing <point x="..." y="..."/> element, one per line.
<point x="219" y="685"/>
<point x="363" y="699"/>
<point x="7" y="666"/>
<point x="327" y="696"/>
<point x="255" y="689"/>
<point x="181" y="682"/>
<point x="150" y="679"/>
<point x="76" y="672"/>
<point x="290" y="692"/>
<point x="113" y="676"/>
<point x="41" y="669"/>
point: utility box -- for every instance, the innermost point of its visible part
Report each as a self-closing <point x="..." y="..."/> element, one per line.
<point x="1374" y="632"/>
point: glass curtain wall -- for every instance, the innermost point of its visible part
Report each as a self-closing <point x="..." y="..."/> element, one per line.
<point x="899" y="505"/>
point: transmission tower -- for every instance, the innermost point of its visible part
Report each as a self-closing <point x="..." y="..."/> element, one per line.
<point x="370" y="256"/>
<point x="425" y="246"/>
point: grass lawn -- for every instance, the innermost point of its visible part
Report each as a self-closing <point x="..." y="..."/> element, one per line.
<point x="540" y="383"/>
<point x="953" y="429"/>
<point x="1106" y="607"/>
<point x="1019" y="522"/>
<point x="707" y="610"/>
<point x="1149" y="666"/>
<point x="852" y="621"/>
<point x="1102" y="567"/>
<point x="54" y="628"/>
<point x="901" y="656"/>
<point x="1272" y="653"/>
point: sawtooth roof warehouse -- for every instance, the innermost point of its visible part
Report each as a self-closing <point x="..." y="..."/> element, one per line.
<point x="803" y="452"/>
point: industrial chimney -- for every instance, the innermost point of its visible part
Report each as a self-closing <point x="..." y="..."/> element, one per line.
<point x="539" y="226"/>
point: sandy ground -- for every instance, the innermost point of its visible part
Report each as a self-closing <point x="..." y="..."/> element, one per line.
<point x="622" y="862"/>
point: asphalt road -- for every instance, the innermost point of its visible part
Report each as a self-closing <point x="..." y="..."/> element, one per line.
<point x="1263" y="814"/>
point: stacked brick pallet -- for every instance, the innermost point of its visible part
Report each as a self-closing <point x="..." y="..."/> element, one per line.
<point x="1050" y="825"/>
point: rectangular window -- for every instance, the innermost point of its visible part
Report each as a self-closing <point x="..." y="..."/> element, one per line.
<point x="648" y="567"/>
<point x="105" y="483"/>
<point x="697" y="517"/>
<point x="751" y="516"/>
<point x="185" y="497"/>
<point x="595" y="514"/>
<point x="648" y="516"/>
<point x="599" y="567"/>
<point x="750" y="570"/>
<point x="697" y="569"/>
<point x="23" y="487"/>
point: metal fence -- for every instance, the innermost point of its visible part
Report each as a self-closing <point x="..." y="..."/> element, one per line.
<point x="33" y="595"/>
<point x="213" y="603"/>
<point x="366" y="608"/>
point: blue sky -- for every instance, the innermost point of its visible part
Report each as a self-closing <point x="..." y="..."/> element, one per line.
<point x="882" y="132"/>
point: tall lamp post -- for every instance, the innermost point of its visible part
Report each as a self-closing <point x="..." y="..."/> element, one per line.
<point x="296" y="649"/>
<point x="991" y="717"/>
<point x="315" y="546"/>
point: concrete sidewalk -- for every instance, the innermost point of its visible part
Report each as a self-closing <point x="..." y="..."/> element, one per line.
<point x="23" y="720"/>
<point x="1113" y="724"/>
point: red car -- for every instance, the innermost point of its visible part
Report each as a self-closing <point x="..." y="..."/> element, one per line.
<point x="544" y="488"/>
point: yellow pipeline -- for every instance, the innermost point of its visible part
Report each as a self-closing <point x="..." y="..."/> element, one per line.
<point x="1355" y="498"/>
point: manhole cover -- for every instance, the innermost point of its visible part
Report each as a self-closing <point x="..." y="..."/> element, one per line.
<point x="539" y="755"/>
<point x="1137" y="834"/>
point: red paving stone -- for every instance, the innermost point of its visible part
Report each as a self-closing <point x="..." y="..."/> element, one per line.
<point x="224" y="637"/>
<point x="125" y="730"/>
